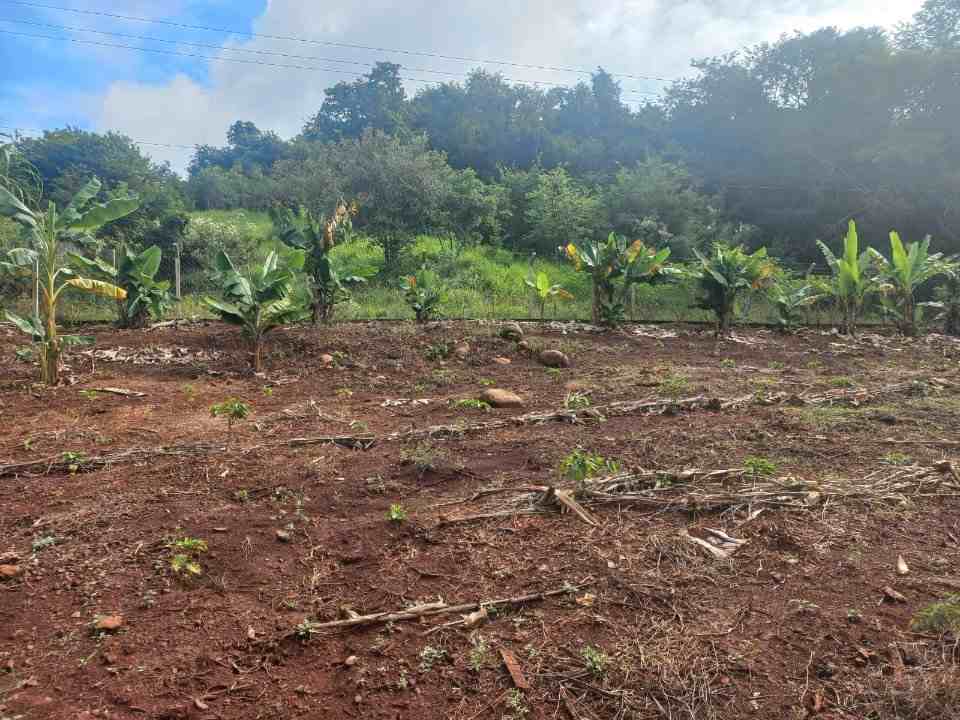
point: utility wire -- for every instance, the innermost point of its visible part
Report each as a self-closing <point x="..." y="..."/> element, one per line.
<point x="39" y="131"/>
<point x="330" y="43"/>
<point x="273" y="53"/>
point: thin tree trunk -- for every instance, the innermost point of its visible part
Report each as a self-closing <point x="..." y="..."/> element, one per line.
<point x="258" y="354"/>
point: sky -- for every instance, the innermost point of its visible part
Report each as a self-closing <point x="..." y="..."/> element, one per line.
<point x="190" y="88"/>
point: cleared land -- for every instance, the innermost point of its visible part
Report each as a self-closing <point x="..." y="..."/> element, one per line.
<point x="830" y="457"/>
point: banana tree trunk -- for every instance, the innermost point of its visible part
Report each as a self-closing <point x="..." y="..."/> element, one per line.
<point x="258" y="354"/>
<point x="597" y="302"/>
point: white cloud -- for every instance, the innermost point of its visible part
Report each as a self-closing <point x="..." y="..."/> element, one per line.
<point x="641" y="37"/>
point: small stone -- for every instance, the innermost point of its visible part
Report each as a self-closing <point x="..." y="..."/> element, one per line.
<point x="502" y="398"/>
<point x="327" y="359"/>
<point x="892" y="595"/>
<point x="351" y="661"/>
<point x="283" y="536"/>
<point x="109" y="623"/>
<point x="9" y="572"/>
<point x="523" y="346"/>
<point x="394" y="354"/>
<point x="554" y="359"/>
<point x="511" y="331"/>
<point x="502" y="361"/>
<point x="462" y="351"/>
<point x="358" y="699"/>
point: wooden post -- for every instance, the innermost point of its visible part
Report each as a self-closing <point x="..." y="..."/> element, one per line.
<point x="36" y="288"/>
<point x="176" y="270"/>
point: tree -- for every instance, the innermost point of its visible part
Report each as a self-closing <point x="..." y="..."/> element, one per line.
<point x="375" y="102"/>
<point x="260" y="300"/>
<point x="853" y="280"/>
<point x="904" y="272"/>
<point x="49" y="233"/>
<point x="248" y="149"/>
<point x="560" y="210"/>
<point x="613" y="266"/>
<point x="936" y="26"/>
<point x="728" y="272"/>
<point x="316" y="236"/>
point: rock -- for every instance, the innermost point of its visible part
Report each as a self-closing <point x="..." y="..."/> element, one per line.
<point x="327" y="359"/>
<point x="502" y="398"/>
<point x="892" y="595"/>
<point x="502" y="361"/>
<point x="109" y="623"/>
<point x="554" y="359"/>
<point x="283" y="536"/>
<point x="394" y="354"/>
<point x="577" y="386"/>
<point x="9" y="572"/>
<point x="351" y="661"/>
<point x="462" y="351"/>
<point x="511" y="331"/>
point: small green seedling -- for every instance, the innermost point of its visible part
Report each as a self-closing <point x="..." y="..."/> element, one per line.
<point x="728" y="363"/>
<point x="486" y="382"/>
<point x="267" y="391"/>
<point x="940" y="617"/>
<point x="581" y="465"/>
<point x="576" y="401"/>
<point x="74" y="461"/>
<point x="674" y="385"/>
<point x="555" y="374"/>
<point x="595" y="660"/>
<point x="232" y="409"/>
<point x="841" y="382"/>
<point x="90" y="395"/>
<point x="438" y="351"/>
<point x="760" y="466"/>
<point x="344" y="393"/>
<point x="306" y="629"/>
<point x="397" y="513"/>
<point x="518" y="708"/>
<point x="185" y="556"/>
<point x="479" y="656"/>
<point x="430" y="656"/>
<point x="897" y="458"/>
<point x="470" y="404"/>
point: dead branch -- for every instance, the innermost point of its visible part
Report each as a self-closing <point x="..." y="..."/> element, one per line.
<point x="433" y="609"/>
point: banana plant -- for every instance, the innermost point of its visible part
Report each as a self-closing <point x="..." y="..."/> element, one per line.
<point x="907" y="269"/>
<point x="948" y="298"/>
<point x="726" y="274"/>
<point x="50" y="234"/>
<point x="136" y="274"/>
<point x="789" y="297"/>
<point x="262" y="299"/>
<point x="423" y="299"/>
<point x="317" y="236"/>
<point x="544" y="290"/>
<point x="853" y="278"/>
<point x="612" y="260"/>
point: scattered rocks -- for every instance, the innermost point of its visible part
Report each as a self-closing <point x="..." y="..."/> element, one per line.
<point x="554" y="359"/>
<point x="502" y="360"/>
<point x="9" y="572"/>
<point x="511" y="331"/>
<point x="109" y="623"/>
<point x="283" y="536"/>
<point x="502" y="398"/>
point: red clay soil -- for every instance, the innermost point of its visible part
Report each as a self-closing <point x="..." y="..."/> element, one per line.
<point x="799" y="622"/>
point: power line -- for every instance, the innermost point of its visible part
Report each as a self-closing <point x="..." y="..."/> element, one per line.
<point x="39" y="131"/>
<point x="274" y="53"/>
<point x="312" y="68"/>
<point x="330" y="43"/>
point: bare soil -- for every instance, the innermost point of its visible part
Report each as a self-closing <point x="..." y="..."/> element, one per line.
<point x="797" y="623"/>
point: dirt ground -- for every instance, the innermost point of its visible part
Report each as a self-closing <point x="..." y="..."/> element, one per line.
<point x="837" y="456"/>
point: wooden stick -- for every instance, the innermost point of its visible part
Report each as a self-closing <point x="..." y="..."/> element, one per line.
<point x="437" y="608"/>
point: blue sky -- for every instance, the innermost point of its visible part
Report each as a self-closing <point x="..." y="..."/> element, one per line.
<point x="187" y="101"/>
<point x="48" y="83"/>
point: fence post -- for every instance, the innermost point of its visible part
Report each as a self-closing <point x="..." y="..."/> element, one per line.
<point x="36" y="288"/>
<point x="176" y="269"/>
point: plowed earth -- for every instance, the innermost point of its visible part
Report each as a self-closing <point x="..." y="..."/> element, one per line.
<point x="797" y="623"/>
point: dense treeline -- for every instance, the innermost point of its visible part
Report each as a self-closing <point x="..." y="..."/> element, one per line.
<point x="776" y="145"/>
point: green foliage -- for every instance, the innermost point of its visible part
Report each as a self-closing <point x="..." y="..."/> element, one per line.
<point x="438" y="351"/>
<point x="904" y="272"/>
<point x="789" y="297"/>
<point x="582" y="465"/>
<point x="544" y="290"/>
<point x="576" y="401"/>
<point x="397" y="513"/>
<point x="940" y="617"/>
<point x="897" y="458"/>
<point x="853" y="277"/>
<point x="595" y="660"/>
<point x="146" y="296"/>
<point x="558" y="207"/>
<point x="613" y="266"/>
<point x="726" y="274"/>
<point x="424" y="300"/>
<point x="48" y="235"/>
<point x="471" y="404"/>
<point x="430" y="656"/>
<point x="759" y="466"/>
<point x="262" y="299"/>
<point x="185" y="554"/>
<point x="317" y="236"/>
<point x="674" y="385"/>
<point x="233" y="409"/>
